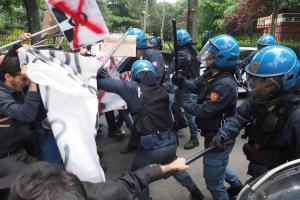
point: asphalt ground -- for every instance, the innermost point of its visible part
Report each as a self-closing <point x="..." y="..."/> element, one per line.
<point x="168" y="189"/>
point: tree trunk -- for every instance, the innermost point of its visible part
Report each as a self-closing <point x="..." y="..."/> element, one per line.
<point x="33" y="17"/>
<point x="274" y="17"/>
<point x="192" y="19"/>
<point x="163" y="22"/>
<point x="146" y="15"/>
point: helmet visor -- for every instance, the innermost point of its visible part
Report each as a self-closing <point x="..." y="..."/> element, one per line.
<point x="264" y="89"/>
<point x="207" y="54"/>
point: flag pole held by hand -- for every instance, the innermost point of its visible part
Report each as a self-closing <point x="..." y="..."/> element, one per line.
<point x="33" y="35"/>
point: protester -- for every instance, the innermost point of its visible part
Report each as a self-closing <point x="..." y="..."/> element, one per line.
<point x="148" y="103"/>
<point x="217" y="98"/>
<point x="13" y="51"/>
<point x="16" y="110"/>
<point x="271" y="114"/>
<point x="42" y="181"/>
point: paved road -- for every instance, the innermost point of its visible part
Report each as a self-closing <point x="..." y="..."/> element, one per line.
<point x="169" y="189"/>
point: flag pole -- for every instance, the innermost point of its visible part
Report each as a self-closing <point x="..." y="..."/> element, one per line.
<point x="33" y="35"/>
<point x="109" y="55"/>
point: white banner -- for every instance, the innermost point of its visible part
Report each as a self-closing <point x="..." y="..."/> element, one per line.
<point x="80" y="21"/>
<point x="68" y="89"/>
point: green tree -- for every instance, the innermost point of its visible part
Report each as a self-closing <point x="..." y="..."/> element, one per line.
<point x="211" y="14"/>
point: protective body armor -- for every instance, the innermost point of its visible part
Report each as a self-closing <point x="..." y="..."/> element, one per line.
<point x="155" y="114"/>
<point x="266" y="143"/>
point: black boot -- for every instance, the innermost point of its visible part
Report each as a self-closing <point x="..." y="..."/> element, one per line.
<point x="194" y="142"/>
<point x="234" y="191"/>
<point x="197" y="195"/>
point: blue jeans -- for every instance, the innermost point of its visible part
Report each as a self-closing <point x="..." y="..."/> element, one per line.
<point x="159" y="149"/>
<point x="191" y="98"/>
<point x="215" y="171"/>
<point x="49" y="149"/>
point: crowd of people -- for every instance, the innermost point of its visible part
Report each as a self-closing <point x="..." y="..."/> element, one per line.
<point x="160" y="101"/>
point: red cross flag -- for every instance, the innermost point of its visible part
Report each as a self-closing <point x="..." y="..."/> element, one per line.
<point x="80" y="21"/>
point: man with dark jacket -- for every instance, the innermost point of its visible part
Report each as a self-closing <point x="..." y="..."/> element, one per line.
<point x="16" y="110"/>
<point x="42" y="181"/>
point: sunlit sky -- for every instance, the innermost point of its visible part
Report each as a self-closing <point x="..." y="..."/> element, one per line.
<point x="170" y="1"/>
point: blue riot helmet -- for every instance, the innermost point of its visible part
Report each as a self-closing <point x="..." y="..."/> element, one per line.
<point x="265" y="40"/>
<point x="273" y="70"/>
<point x="141" y="66"/>
<point x="153" y="42"/>
<point x="141" y="41"/>
<point x="222" y="52"/>
<point x="207" y="34"/>
<point x="183" y="37"/>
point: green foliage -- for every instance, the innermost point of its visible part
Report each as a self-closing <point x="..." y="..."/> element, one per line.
<point x="250" y="41"/>
<point x="12" y="16"/>
<point x="211" y="14"/>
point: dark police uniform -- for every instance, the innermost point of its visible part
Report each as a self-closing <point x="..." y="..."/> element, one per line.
<point x="149" y="106"/>
<point x="155" y="57"/>
<point x="191" y="69"/>
<point x="273" y="131"/>
<point x="217" y="97"/>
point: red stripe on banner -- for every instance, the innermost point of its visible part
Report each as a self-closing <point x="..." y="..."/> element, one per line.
<point x="78" y="18"/>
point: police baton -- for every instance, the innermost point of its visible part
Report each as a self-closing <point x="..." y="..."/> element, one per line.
<point x="175" y="45"/>
<point x="198" y="155"/>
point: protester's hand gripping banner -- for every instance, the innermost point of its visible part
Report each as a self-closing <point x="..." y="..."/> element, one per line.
<point x="80" y="21"/>
<point x="68" y="88"/>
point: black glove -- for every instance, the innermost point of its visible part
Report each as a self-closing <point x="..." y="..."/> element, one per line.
<point x="218" y="142"/>
<point x="102" y="73"/>
<point x="180" y="95"/>
<point x="178" y="79"/>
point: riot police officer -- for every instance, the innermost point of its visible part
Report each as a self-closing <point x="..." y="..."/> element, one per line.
<point x="262" y="42"/>
<point x="148" y="103"/>
<point x="217" y="98"/>
<point x="190" y="67"/>
<point x="206" y="35"/>
<point x="271" y="114"/>
<point x="153" y="42"/>
<point x="146" y="53"/>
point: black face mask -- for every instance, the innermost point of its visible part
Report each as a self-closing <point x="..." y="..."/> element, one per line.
<point x="258" y="98"/>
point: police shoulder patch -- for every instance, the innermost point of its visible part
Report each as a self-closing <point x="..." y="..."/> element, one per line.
<point x="214" y="96"/>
